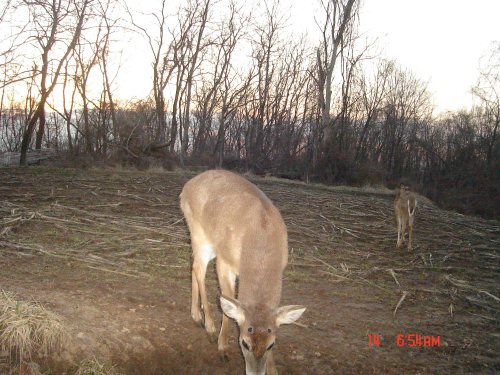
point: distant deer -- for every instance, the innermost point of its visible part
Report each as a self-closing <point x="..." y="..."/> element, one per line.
<point x="230" y="219"/>
<point x="405" y="205"/>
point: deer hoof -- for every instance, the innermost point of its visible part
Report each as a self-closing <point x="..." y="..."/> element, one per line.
<point x="198" y="321"/>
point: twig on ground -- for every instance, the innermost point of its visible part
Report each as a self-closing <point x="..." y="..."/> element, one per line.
<point x="393" y="274"/>
<point x="405" y="293"/>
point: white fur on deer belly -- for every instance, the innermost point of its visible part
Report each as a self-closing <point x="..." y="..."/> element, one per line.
<point x="207" y="253"/>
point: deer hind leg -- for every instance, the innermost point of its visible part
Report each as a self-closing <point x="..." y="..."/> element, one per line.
<point x="203" y="253"/>
<point x="410" y="231"/>
<point x="410" y="234"/>
<point x="400" y="227"/>
<point x="227" y="283"/>
<point x="195" y="299"/>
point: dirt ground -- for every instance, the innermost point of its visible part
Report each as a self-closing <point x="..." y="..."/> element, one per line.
<point x="108" y="251"/>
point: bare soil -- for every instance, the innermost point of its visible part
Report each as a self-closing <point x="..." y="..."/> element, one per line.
<point x="108" y="251"/>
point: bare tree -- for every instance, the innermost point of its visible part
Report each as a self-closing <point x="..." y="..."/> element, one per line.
<point x="339" y="17"/>
<point x="178" y="60"/>
<point x="57" y="23"/>
<point x="221" y="85"/>
<point x="105" y="7"/>
<point x="11" y="68"/>
<point x="68" y="103"/>
<point x="163" y="68"/>
<point x="202" y="12"/>
<point x="487" y="90"/>
<point x="407" y="105"/>
<point x="232" y="101"/>
<point x="373" y="92"/>
<point x="266" y="49"/>
<point x="87" y="53"/>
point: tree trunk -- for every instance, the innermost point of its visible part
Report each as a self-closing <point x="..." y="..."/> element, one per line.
<point x="25" y="143"/>
<point x="41" y="129"/>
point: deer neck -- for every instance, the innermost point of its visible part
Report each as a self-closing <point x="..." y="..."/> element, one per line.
<point x="260" y="276"/>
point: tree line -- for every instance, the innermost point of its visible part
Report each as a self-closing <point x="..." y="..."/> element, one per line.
<point x="233" y="88"/>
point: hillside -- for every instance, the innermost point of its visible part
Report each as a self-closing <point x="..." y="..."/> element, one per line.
<point x="108" y="252"/>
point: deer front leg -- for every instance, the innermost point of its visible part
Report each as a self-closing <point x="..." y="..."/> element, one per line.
<point x="227" y="283"/>
<point x="202" y="255"/>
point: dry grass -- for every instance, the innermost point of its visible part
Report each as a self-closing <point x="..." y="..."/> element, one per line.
<point x="27" y="329"/>
<point x="95" y="367"/>
<point x="94" y="224"/>
<point x="109" y="218"/>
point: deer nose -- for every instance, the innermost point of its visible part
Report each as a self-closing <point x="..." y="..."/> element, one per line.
<point x="259" y="348"/>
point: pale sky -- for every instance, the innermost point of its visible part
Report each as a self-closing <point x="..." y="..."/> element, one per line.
<point x="440" y="41"/>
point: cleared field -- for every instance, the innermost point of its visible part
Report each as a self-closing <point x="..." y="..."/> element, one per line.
<point x="108" y="252"/>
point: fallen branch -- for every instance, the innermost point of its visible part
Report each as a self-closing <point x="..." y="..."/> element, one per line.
<point x="405" y="293"/>
<point x="393" y="274"/>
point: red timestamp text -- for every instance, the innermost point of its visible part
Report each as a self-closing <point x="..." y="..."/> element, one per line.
<point x="410" y="340"/>
<point x="417" y="340"/>
<point x="373" y="339"/>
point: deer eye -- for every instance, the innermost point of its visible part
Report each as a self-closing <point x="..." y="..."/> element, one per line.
<point x="250" y="329"/>
<point x="270" y="346"/>
<point x="269" y="330"/>
<point x="245" y="345"/>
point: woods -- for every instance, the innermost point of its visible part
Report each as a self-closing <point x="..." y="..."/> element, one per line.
<point x="237" y="88"/>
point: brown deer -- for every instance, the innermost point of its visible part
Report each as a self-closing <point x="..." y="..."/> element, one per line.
<point x="405" y="205"/>
<point x="231" y="220"/>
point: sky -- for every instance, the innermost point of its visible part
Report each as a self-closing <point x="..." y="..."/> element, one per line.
<point x="440" y="41"/>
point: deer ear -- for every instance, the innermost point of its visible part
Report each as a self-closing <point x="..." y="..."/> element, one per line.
<point x="289" y="314"/>
<point x="233" y="309"/>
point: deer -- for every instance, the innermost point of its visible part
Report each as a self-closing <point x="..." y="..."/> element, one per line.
<point x="232" y="221"/>
<point x="405" y="205"/>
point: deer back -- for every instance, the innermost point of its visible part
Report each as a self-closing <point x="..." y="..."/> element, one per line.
<point x="245" y="230"/>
